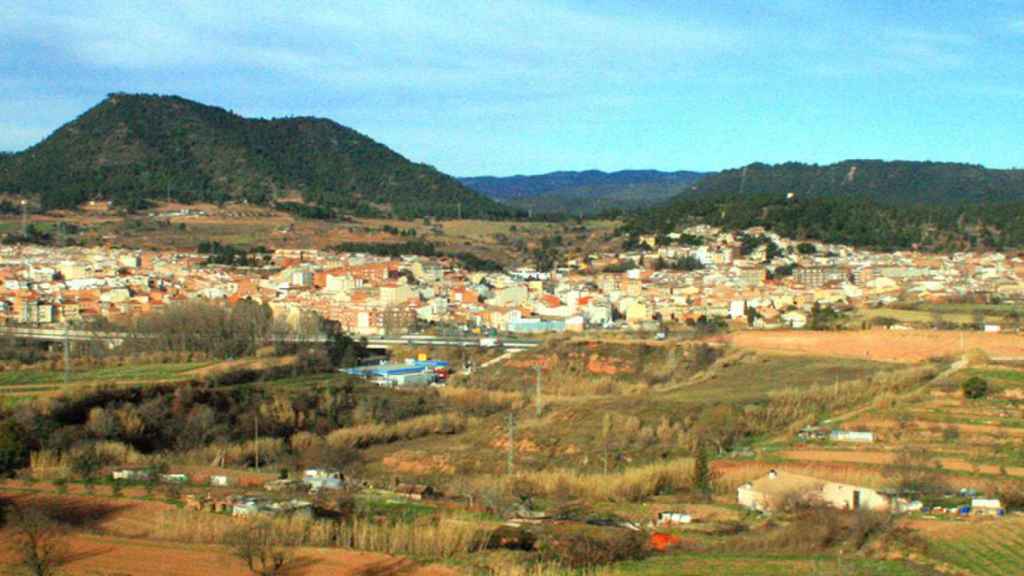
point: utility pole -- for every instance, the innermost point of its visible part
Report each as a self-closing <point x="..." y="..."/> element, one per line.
<point x="257" y="440"/>
<point x="606" y="429"/>
<point x="24" y="218"/>
<point x="460" y="210"/>
<point x="511" y="424"/>
<point x="67" y="352"/>
<point x="540" y="401"/>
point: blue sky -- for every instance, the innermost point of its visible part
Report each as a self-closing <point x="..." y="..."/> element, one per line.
<point x="527" y="86"/>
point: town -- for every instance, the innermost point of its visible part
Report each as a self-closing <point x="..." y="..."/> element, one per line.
<point x="755" y="278"/>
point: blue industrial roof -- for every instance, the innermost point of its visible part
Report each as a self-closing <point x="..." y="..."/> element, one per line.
<point x="397" y="368"/>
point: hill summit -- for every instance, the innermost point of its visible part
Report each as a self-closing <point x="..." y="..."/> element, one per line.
<point x="132" y="147"/>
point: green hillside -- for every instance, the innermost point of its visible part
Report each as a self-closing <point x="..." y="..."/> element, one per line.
<point x="885" y="205"/>
<point x="130" y="148"/>
<point x="897" y="182"/>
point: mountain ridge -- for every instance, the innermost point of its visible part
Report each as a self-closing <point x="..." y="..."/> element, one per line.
<point x="589" y="191"/>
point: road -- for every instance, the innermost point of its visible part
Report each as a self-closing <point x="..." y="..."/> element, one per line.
<point x="114" y="338"/>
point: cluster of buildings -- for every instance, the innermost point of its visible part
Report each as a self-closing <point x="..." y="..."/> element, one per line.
<point x="370" y="295"/>
<point x="779" y="490"/>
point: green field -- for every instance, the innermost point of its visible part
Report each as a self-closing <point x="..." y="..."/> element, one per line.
<point x="991" y="549"/>
<point x="140" y="374"/>
<point x="693" y="564"/>
<point x="926" y="313"/>
<point x="756" y="377"/>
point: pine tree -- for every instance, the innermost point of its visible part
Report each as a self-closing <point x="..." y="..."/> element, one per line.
<point x="702" y="471"/>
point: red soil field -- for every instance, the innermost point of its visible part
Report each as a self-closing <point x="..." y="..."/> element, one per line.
<point x="873" y="457"/>
<point x="92" y="554"/>
<point x="108" y="537"/>
<point x="906" y="346"/>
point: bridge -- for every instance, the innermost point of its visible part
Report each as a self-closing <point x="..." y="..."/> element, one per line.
<point x="112" y="338"/>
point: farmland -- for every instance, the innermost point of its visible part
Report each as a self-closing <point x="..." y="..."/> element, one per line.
<point x="614" y="434"/>
<point x="248" y="226"/>
<point x="109" y="540"/>
<point x="882" y="345"/>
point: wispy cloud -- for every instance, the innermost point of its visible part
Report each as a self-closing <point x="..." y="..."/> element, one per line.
<point x="380" y="45"/>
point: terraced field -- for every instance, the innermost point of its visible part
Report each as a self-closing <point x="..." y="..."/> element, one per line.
<point x="681" y="564"/>
<point x="993" y="548"/>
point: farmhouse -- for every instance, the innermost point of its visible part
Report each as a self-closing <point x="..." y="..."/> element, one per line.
<point x="778" y="489"/>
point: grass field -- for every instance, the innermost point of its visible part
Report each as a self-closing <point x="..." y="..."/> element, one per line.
<point x="22" y="380"/>
<point x="955" y="313"/>
<point x="758" y="376"/>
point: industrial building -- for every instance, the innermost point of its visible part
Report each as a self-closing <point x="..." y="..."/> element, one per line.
<point x="411" y="373"/>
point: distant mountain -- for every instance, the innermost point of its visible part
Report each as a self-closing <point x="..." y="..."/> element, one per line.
<point x="887" y="205"/>
<point x="589" y="192"/>
<point x="130" y="148"/>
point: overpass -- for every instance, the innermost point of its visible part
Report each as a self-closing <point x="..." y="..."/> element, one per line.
<point x="115" y="338"/>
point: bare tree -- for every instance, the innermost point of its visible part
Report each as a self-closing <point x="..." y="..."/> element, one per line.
<point x="264" y="549"/>
<point x="38" y="542"/>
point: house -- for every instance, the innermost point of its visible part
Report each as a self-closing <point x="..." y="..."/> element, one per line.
<point x="795" y="319"/>
<point x="219" y="481"/>
<point x="778" y="490"/>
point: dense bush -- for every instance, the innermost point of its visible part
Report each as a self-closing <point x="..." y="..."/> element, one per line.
<point x="583" y="546"/>
<point x="13" y="447"/>
<point x="974" y="387"/>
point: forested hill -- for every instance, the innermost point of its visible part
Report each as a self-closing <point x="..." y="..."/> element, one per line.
<point x="897" y="182"/>
<point x="590" y="191"/>
<point x="884" y="205"/>
<point x="130" y="148"/>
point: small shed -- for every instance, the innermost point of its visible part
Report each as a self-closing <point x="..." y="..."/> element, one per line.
<point x="672" y="518"/>
<point x="415" y="491"/>
<point x="131" y="475"/>
<point x="858" y="436"/>
<point x="987" y="507"/>
<point x="320" y="478"/>
<point x="813" y="433"/>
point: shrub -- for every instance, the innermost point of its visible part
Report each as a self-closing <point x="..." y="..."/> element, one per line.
<point x="584" y="546"/>
<point x="974" y="387"/>
<point x="13" y="449"/>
